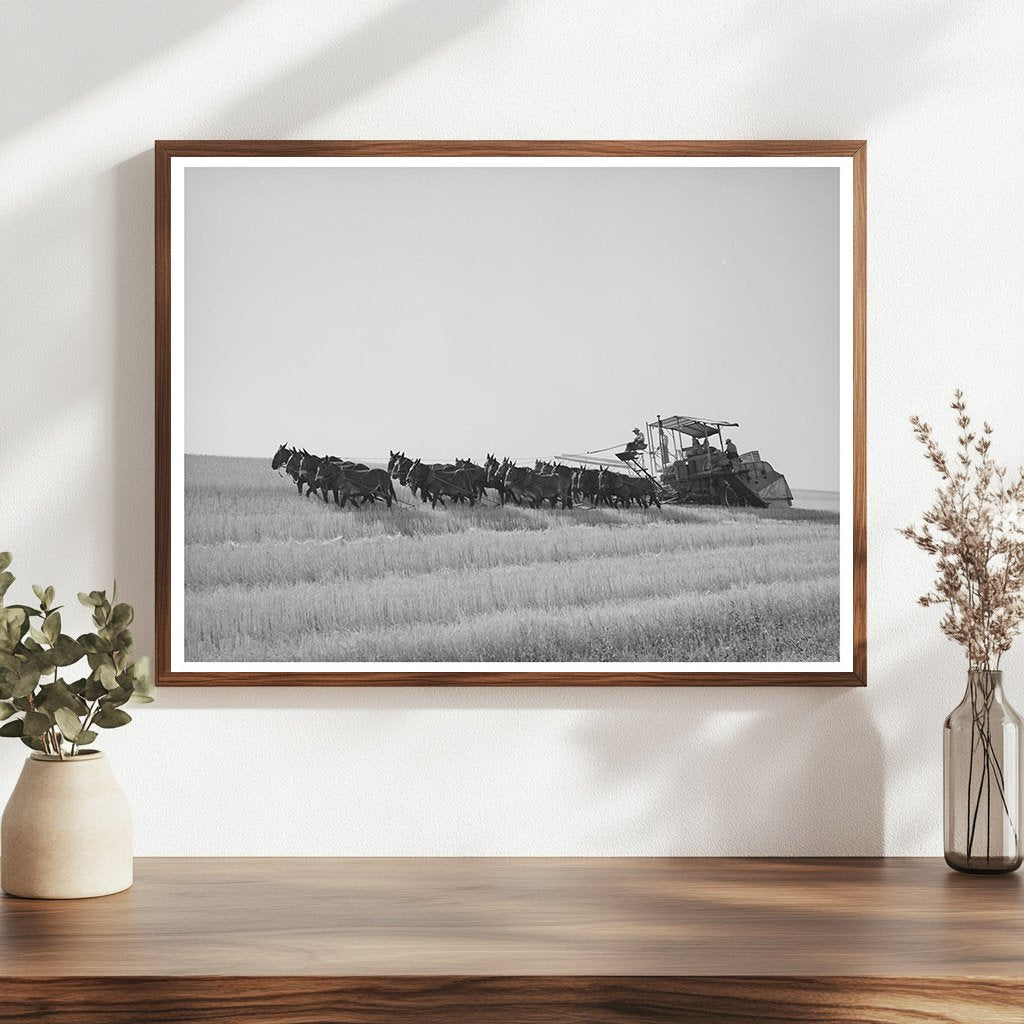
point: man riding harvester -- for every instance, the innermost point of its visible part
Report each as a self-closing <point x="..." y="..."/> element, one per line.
<point x="634" y="448"/>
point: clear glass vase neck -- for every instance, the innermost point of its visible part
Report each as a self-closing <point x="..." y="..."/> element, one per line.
<point x="985" y="681"/>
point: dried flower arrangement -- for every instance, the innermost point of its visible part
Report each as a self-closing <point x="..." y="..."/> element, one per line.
<point x="975" y="531"/>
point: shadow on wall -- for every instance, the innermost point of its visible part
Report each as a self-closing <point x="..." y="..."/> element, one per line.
<point x="48" y="46"/>
<point x="780" y="773"/>
<point x="132" y="413"/>
<point x="690" y="771"/>
<point x="396" y="38"/>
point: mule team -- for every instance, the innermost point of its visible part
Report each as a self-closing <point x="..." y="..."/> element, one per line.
<point x="462" y="481"/>
<point x="346" y="480"/>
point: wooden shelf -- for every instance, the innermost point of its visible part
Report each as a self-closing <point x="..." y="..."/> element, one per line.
<point x="282" y="941"/>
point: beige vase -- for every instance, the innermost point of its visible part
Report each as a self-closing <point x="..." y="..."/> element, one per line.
<point x="66" y="831"/>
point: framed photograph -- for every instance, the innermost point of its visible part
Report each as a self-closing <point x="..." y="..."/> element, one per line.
<point x="493" y="413"/>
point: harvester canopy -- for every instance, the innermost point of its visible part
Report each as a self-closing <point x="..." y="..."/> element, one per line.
<point x="694" y="426"/>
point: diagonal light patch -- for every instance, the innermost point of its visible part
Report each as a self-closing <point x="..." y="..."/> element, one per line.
<point x="201" y="85"/>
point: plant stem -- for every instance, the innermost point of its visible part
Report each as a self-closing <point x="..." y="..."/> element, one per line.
<point x="988" y="811"/>
<point x="998" y="775"/>
<point x="58" y="739"/>
<point x="970" y="769"/>
<point x="982" y="698"/>
<point x="972" y="833"/>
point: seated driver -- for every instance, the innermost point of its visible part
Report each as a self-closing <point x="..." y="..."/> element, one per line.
<point x="638" y="444"/>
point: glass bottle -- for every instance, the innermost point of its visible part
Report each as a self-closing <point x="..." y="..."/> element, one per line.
<point x="981" y="773"/>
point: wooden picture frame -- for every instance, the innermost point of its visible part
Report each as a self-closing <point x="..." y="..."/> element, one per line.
<point x="848" y="156"/>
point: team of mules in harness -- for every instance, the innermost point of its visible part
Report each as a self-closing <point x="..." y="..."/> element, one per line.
<point x="328" y="475"/>
<point x="461" y="481"/>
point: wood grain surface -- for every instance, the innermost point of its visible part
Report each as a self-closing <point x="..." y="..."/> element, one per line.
<point x="570" y="940"/>
<point x="504" y="916"/>
<point x="165" y="150"/>
<point x="512" y="1000"/>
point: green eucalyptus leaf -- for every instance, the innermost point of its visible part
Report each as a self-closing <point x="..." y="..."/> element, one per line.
<point x="51" y="626"/>
<point x="14" y="614"/>
<point x="12" y="627"/>
<point x="66" y="651"/>
<point x="16" y="727"/>
<point x="69" y="724"/>
<point x="22" y="703"/>
<point x="115" y="698"/>
<point x="38" y="659"/>
<point x="96" y="661"/>
<point x="31" y="741"/>
<point x="36" y="723"/>
<point x="140" y="669"/>
<point x="29" y="611"/>
<point x="94" y="689"/>
<point x="86" y="736"/>
<point x="107" y="676"/>
<point x="143" y="689"/>
<point x="38" y="636"/>
<point x="6" y="710"/>
<point x="59" y="695"/>
<point x="5" y="559"/>
<point x="142" y="682"/>
<point x="89" y="600"/>
<point x="110" y="717"/>
<point x="94" y="644"/>
<point x="122" y="616"/>
<point x="27" y="681"/>
<point x="50" y="596"/>
<point x="6" y="579"/>
<point x="40" y="592"/>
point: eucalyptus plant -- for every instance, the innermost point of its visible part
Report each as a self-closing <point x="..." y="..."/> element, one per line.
<point x="37" y="704"/>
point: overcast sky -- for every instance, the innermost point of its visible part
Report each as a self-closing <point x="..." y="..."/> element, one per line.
<point x="527" y="311"/>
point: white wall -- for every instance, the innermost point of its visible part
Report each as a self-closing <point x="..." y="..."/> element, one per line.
<point x="937" y="90"/>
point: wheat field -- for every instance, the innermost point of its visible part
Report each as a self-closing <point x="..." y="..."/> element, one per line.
<point x="270" y="576"/>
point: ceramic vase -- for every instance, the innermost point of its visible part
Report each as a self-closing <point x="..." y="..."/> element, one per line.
<point x="66" y="831"/>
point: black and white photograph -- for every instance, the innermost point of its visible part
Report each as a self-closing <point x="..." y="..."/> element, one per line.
<point x="517" y="415"/>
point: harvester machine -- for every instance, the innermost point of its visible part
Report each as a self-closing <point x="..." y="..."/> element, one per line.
<point x="679" y="454"/>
